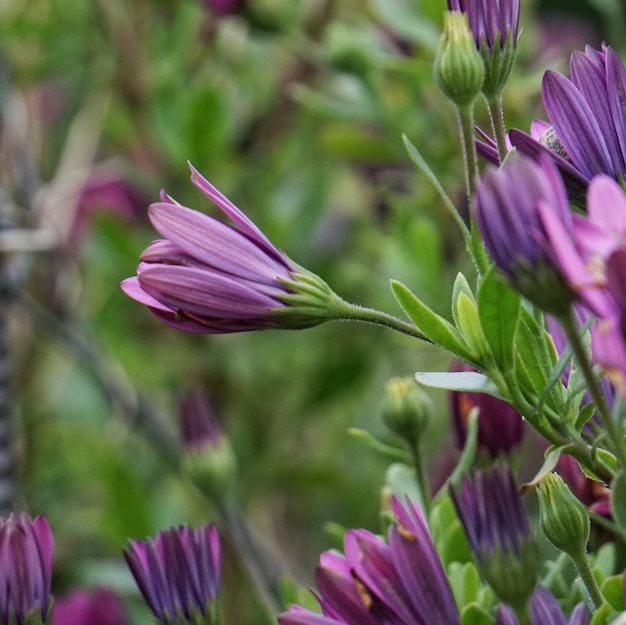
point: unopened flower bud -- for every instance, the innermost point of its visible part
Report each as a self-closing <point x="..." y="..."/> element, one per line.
<point x="208" y="459"/>
<point x="459" y="67"/>
<point x="564" y="519"/>
<point x="407" y="408"/>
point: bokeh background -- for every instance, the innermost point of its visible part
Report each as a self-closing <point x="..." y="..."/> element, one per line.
<point x="295" y="110"/>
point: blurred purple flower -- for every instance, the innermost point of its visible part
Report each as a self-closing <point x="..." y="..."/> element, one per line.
<point x="491" y="19"/>
<point x="82" y="607"/>
<point x="508" y="202"/>
<point x="225" y="7"/>
<point x="25" y="568"/>
<point x="500" y="426"/>
<point x="592" y="257"/>
<point x="491" y="511"/>
<point x="210" y="277"/>
<point x="586" y="113"/>
<point x="198" y="422"/>
<point x="378" y="583"/>
<point x="208" y="459"/>
<point x="545" y="610"/>
<point x="178" y="572"/>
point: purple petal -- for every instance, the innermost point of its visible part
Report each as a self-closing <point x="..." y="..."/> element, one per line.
<point x="232" y="212"/>
<point x="616" y="84"/>
<point x="575" y="125"/>
<point x="216" y="244"/>
<point x="545" y="609"/>
<point x="606" y="204"/>
<point x="205" y="294"/>
<point x="591" y="81"/>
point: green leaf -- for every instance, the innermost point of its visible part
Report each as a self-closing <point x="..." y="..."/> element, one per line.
<point x="473" y="614"/>
<point x="612" y="589"/>
<point x="418" y="160"/>
<point x="618" y="499"/>
<point x="442" y="332"/>
<point x="468" y="323"/>
<point x="470" y="381"/>
<point x="603" y="615"/>
<point x="499" y="311"/>
<point x="551" y="458"/>
<point x="385" y="451"/>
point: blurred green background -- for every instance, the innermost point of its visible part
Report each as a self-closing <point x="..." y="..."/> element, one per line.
<point x="294" y="109"/>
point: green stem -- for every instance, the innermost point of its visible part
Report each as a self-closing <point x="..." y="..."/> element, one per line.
<point x="496" y="113"/>
<point x="351" y="312"/>
<point x="465" y="118"/>
<point x="602" y="409"/>
<point x="586" y="575"/>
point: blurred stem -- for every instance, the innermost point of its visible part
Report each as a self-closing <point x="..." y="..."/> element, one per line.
<point x="262" y="568"/>
<point x="114" y="386"/>
<point x="7" y="489"/>
<point x="586" y="575"/>
<point x="496" y="113"/>
<point x="420" y="475"/>
<point x="581" y="357"/>
<point x="555" y="571"/>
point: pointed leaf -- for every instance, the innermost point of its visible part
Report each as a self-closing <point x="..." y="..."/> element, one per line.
<point x="618" y="499"/>
<point x="436" y="328"/>
<point x="469" y="381"/>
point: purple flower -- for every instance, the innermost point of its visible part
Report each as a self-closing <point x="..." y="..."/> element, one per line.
<point x="82" y="607"/>
<point x="210" y="277"/>
<point x="586" y="114"/>
<point x="500" y="426"/>
<point x="508" y="202"/>
<point x="379" y="583"/>
<point x="25" y="568"/>
<point x="491" y="511"/>
<point x="178" y="572"/>
<point x="490" y="20"/>
<point x="545" y="610"/>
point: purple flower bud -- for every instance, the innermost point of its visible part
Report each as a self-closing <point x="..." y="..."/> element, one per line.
<point x="500" y="426"/>
<point x="82" y="607"/>
<point x="210" y="277"/>
<point x="208" y="458"/>
<point x="545" y="610"/>
<point x="25" y="568"/>
<point x="178" y="572"/>
<point x="491" y="511"/>
<point x="489" y="19"/>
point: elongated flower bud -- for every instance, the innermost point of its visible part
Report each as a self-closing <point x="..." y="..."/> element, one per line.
<point x="564" y="519"/>
<point x="459" y="68"/>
